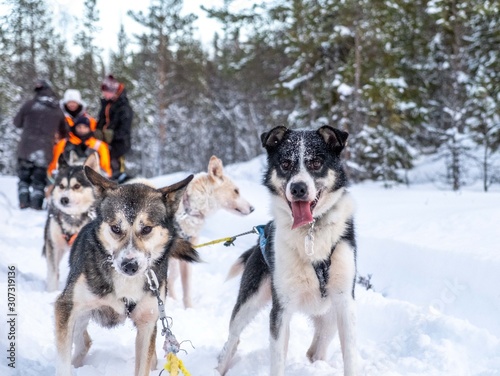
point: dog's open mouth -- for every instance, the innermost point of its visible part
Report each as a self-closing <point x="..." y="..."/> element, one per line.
<point x="302" y="211"/>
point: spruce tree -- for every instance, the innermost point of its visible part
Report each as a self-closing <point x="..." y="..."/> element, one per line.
<point x="89" y="65"/>
<point x="156" y="66"/>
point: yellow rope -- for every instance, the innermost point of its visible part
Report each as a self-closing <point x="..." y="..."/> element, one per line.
<point x="174" y="364"/>
<point x="214" y="242"/>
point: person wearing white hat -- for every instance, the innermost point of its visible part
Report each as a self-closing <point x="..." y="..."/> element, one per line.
<point x="74" y="107"/>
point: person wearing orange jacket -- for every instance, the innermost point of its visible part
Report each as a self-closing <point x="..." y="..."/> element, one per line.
<point x="81" y="140"/>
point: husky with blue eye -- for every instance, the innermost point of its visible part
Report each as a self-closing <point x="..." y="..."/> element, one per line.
<point x="129" y="242"/>
<point x="305" y="259"/>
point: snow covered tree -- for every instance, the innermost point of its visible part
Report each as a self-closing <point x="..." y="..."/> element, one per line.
<point x="447" y="74"/>
<point x="164" y="27"/>
<point x="246" y="66"/>
<point x="121" y="60"/>
<point x="483" y="86"/>
<point x="29" y="48"/>
<point x="462" y="73"/>
<point x="9" y="95"/>
<point x="88" y="66"/>
<point x="344" y="70"/>
<point x="30" y="33"/>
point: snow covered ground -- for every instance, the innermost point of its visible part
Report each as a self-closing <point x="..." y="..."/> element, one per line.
<point x="434" y="258"/>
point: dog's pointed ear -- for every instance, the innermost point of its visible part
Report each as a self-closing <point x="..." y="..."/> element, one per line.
<point x="99" y="182"/>
<point x="174" y="192"/>
<point x="61" y="161"/>
<point x="92" y="161"/>
<point x="334" y="138"/>
<point x="215" y="167"/>
<point x="273" y="138"/>
<point x="183" y="250"/>
<point x="73" y="158"/>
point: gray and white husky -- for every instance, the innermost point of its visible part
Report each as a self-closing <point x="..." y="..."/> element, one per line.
<point x="70" y="205"/>
<point x="130" y="241"/>
<point x="305" y="260"/>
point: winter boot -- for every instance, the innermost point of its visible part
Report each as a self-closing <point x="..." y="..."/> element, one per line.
<point x="24" y="200"/>
<point x="37" y="200"/>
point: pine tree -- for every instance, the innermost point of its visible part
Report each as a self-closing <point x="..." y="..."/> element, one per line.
<point x="9" y="97"/>
<point x="165" y="26"/>
<point x="447" y="72"/>
<point x="483" y="85"/>
<point x="28" y="44"/>
<point x="29" y="26"/>
<point x="344" y="71"/>
<point x="88" y="66"/>
<point x="247" y="62"/>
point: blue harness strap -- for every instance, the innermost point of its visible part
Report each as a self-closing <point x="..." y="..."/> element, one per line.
<point x="262" y="242"/>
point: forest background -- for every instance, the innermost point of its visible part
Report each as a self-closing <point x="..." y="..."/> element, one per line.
<point x="410" y="80"/>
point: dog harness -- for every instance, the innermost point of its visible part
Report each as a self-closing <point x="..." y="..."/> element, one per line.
<point x="262" y="242"/>
<point x="129" y="306"/>
<point x="321" y="268"/>
<point x="69" y="237"/>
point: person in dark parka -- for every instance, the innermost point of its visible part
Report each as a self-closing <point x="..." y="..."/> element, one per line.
<point x="42" y="122"/>
<point x="114" y="124"/>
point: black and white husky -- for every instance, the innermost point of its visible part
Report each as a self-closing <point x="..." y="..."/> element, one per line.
<point x="305" y="261"/>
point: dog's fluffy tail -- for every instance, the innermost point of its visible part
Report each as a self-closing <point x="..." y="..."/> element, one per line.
<point x="183" y="250"/>
<point x="238" y="267"/>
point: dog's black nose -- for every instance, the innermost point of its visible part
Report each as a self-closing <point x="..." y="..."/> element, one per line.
<point x="64" y="201"/>
<point x="129" y="266"/>
<point x="252" y="209"/>
<point x="298" y="190"/>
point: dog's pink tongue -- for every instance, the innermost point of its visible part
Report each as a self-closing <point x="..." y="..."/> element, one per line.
<point x="301" y="212"/>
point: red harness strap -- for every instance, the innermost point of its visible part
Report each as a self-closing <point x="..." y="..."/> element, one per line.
<point x="70" y="239"/>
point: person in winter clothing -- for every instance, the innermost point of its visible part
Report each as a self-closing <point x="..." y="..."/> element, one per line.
<point x="42" y="122"/>
<point x="81" y="140"/>
<point x="114" y="124"/>
<point x="73" y="107"/>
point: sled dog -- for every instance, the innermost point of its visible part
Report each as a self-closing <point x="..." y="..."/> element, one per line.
<point x="130" y="241"/>
<point x="70" y="207"/>
<point x="305" y="260"/>
<point x="206" y="194"/>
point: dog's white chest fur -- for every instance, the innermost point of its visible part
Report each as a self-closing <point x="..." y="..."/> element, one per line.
<point x="295" y="278"/>
<point x="130" y="288"/>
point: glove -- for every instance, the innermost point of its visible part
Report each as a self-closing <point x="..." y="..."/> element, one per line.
<point x="105" y="135"/>
<point x="98" y="134"/>
<point x="108" y="135"/>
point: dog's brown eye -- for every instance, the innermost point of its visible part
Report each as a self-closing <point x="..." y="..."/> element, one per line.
<point x="285" y="165"/>
<point x="76" y="186"/>
<point x="116" y="229"/>
<point x="146" y="230"/>
<point x="237" y="191"/>
<point x="315" y="164"/>
<point x="61" y="186"/>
